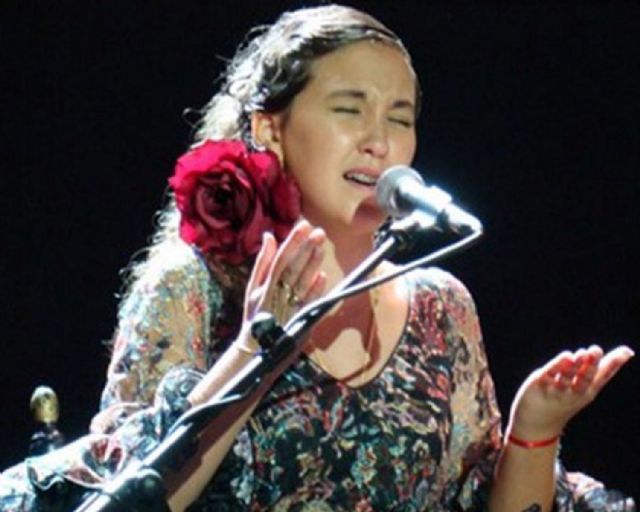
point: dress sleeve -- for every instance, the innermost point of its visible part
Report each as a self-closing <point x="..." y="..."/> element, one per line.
<point x="475" y="434"/>
<point x="164" y="326"/>
<point x="160" y="353"/>
<point x="577" y="492"/>
<point x="476" y="437"/>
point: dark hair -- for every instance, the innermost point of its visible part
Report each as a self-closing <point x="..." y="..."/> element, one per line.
<point x="273" y="65"/>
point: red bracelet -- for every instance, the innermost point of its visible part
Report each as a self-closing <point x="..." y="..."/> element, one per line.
<point x="531" y="444"/>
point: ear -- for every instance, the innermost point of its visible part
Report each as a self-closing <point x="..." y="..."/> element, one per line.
<point x="266" y="132"/>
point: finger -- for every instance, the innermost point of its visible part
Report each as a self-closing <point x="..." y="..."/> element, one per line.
<point x="596" y="351"/>
<point x="259" y="274"/>
<point x="309" y="272"/>
<point x="317" y="287"/>
<point x="587" y="371"/>
<point x="545" y="375"/>
<point x="557" y="363"/>
<point x="581" y="358"/>
<point x="297" y="254"/>
<point x="563" y="381"/>
<point x="289" y="250"/>
<point x="553" y="366"/>
<point x="590" y="357"/>
<point x="568" y="369"/>
<point x="610" y="364"/>
<point x="553" y="369"/>
<point x="263" y="261"/>
<point x="306" y="262"/>
<point x="547" y="380"/>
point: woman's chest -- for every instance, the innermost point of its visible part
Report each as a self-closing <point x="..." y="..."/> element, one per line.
<point x="390" y="435"/>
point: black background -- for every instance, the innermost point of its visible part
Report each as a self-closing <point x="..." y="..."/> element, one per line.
<point x="531" y="119"/>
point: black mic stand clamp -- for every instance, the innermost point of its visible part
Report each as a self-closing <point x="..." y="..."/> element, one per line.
<point x="137" y="489"/>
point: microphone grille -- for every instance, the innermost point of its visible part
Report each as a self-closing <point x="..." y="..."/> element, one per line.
<point x="388" y="184"/>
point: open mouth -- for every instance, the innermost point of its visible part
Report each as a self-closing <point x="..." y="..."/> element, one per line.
<point x="361" y="178"/>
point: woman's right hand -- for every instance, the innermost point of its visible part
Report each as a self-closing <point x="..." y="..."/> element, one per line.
<point x="296" y="263"/>
<point x="284" y="278"/>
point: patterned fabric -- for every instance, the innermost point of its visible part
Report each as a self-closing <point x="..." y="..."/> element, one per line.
<point x="423" y="435"/>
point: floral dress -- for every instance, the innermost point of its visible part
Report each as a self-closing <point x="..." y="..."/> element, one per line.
<point x="424" y="434"/>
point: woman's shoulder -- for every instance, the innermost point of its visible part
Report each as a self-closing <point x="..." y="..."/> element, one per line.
<point x="439" y="281"/>
<point x="434" y="291"/>
<point x="177" y="263"/>
<point x="174" y="270"/>
<point x="443" y="310"/>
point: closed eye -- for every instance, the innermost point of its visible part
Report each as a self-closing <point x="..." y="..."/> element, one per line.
<point x="346" y="110"/>
<point x="402" y="122"/>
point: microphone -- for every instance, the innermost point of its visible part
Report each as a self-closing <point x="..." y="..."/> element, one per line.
<point x="401" y="191"/>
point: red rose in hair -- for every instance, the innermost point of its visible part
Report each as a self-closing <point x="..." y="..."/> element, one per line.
<point x="228" y="196"/>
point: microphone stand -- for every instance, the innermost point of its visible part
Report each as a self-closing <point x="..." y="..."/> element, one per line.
<point x="141" y="488"/>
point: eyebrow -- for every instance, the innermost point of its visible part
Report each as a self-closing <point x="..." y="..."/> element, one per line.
<point x="361" y="95"/>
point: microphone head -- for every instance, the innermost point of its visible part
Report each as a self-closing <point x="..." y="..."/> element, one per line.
<point x="388" y="185"/>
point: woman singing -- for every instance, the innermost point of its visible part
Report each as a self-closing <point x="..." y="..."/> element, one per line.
<point x="390" y="405"/>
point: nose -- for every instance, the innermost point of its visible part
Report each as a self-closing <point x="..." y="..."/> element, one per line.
<point x="375" y="140"/>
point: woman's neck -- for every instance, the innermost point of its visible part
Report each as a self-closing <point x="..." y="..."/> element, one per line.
<point x="343" y="254"/>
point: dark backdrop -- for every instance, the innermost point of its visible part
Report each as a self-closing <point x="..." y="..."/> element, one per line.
<point x="530" y="119"/>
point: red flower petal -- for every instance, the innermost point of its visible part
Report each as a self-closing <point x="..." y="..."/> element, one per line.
<point x="228" y="196"/>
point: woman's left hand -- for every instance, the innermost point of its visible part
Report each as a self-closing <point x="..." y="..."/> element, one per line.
<point x="557" y="391"/>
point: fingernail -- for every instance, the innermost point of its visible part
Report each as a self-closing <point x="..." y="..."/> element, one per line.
<point x="317" y="232"/>
<point x="266" y="236"/>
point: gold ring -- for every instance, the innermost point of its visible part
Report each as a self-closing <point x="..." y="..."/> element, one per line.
<point x="294" y="300"/>
<point x="286" y="288"/>
<point x="291" y="298"/>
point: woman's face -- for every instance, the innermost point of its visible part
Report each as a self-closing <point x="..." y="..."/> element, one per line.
<point x="353" y="120"/>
